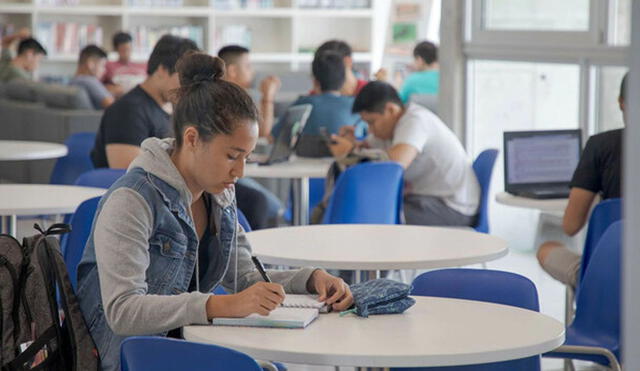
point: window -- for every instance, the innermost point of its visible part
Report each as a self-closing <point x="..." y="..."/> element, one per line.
<point x="608" y="113"/>
<point x="536" y="15"/>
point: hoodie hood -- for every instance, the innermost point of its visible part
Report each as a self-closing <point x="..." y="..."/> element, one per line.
<point x="155" y="159"/>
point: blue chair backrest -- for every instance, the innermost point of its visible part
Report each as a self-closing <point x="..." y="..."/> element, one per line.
<point x="142" y="353"/>
<point x="482" y="285"/>
<point x="598" y="301"/>
<point x="369" y="193"/>
<point x="483" y="167"/>
<point x="100" y="178"/>
<point x="74" y="242"/>
<point x="604" y="214"/>
<point x="77" y="160"/>
<point x="242" y="220"/>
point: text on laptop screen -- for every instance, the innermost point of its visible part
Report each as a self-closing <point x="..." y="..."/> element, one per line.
<point x="545" y="158"/>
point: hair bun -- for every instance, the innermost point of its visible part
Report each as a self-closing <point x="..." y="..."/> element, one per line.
<point x="197" y="67"/>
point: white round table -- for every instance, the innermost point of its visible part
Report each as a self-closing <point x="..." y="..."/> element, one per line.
<point x="434" y="332"/>
<point x="299" y="170"/>
<point x="16" y="150"/>
<point x="35" y="199"/>
<point x="374" y="247"/>
<point x="554" y="206"/>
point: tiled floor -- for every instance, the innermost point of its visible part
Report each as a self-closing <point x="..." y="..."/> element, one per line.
<point x="551" y="294"/>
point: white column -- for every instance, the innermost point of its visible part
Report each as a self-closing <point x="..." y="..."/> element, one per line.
<point x="631" y="253"/>
<point x="451" y="98"/>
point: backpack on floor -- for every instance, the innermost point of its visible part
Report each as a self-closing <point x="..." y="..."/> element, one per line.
<point x="41" y="325"/>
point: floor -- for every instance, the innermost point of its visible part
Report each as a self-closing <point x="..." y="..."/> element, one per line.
<point x="551" y="294"/>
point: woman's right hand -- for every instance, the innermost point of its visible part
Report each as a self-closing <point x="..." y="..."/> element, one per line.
<point x="261" y="298"/>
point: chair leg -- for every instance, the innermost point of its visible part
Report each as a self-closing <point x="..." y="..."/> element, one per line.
<point x="569" y="311"/>
<point x="568" y="365"/>
<point x="266" y="365"/>
<point x="614" y="365"/>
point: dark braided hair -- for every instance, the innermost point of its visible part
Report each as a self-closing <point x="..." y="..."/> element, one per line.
<point x="206" y="102"/>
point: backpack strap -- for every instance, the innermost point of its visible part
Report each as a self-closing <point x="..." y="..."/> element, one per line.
<point x="58" y="228"/>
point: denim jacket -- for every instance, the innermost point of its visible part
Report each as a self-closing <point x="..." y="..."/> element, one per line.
<point x="140" y="258"/>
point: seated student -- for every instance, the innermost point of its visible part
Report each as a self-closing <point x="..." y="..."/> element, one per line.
<point x="352" y="85"/>
<point x="139" y="114"/>
<point x="426" y="79"/>
<point x="440" y="185"/>
<point x="166" y="234"/>
<point x="261" y="207"/>
<point x="240" y="72"/>
<point x="122" y="75"/>
<point x="331" y="109"/>
<point x="27" y="60"/>
<point x="91" y="66"/>
<point x="599" y="172"/>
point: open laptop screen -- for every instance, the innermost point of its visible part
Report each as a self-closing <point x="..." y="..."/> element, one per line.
<point x="541" y="157"/>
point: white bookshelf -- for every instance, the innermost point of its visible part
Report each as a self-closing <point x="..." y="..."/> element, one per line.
<point x="282" y="37"/>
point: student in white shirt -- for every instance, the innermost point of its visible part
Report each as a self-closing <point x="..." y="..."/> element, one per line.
<point x="440" y="185"/>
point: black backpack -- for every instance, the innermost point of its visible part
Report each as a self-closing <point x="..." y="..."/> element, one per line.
<point x="38" y="331"/>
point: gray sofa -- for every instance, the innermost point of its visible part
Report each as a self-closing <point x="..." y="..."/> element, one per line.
<point x="44" y="112"/>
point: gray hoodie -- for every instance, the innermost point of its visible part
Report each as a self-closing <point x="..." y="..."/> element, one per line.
<point x="121" y="237"/>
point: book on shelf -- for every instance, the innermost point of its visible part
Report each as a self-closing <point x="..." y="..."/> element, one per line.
<point x="172" y="3"/>
<point x="335" y="4"/>
<point x="67" y="38"/>
<point x="146" y="37"/>
<point x="57" y="2"/>
<point x="241" y="4"/>
<point x="236" y="34"/>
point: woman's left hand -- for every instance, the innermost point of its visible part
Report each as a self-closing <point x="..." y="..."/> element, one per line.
<point x="332" y="290"/>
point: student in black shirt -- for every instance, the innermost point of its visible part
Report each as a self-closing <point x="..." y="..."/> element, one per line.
<point x="139" y="114"/>
<point x="599" y="172"/>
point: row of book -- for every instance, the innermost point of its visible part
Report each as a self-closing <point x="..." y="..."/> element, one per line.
<point x="241" y="4"/>
<point x="236" y="34"/>
<point x="7" y="29"/>
<point x="67" y="38"/>
<point x="145" y="37"/>
<point x="57" y="2"/>
<point x="335" y="4"/>
<point x="173" y="3"/>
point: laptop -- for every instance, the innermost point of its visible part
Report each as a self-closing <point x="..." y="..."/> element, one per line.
<point x="540" y="164"/>
<point x="293" y="122"/>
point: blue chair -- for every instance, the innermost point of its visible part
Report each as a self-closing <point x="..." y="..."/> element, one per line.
<point x="604" y="214"/>
<point x="483" y="167"/>
<point x="100" y="178"/>
<point x="141" y="353"/>
<point x="73" y="243"/>
<point x="242" y="220"/>
<point x="481" y="285"/>
<point x="369" y="193"/>
<point x="594" y="334"/>
<point x="316" y="193"/>
<point x="77" y="160"/>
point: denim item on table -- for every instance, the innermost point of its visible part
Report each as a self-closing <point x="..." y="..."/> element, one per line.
<point x="381" y="296"/>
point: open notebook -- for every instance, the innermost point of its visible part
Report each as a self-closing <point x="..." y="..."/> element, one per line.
<point x="297" y="311"/>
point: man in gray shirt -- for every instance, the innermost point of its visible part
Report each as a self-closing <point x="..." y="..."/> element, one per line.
<point x="91" y="66"/>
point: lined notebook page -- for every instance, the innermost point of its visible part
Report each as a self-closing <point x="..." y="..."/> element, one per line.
<point x="280" y="317"/>
<point x="304" y="301"/>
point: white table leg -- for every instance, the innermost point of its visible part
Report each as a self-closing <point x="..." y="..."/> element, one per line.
<point x="8" y="225"/>
<point x="301" y="201"/>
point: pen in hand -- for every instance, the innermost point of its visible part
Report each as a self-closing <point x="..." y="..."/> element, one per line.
<point x="260" y="269"/>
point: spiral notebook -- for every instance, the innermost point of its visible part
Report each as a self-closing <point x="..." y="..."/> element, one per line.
<point x="297" y="311"/>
